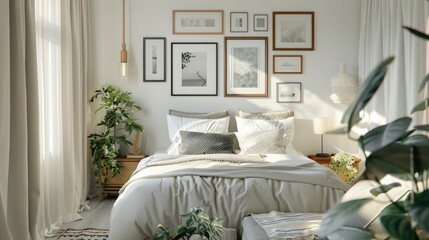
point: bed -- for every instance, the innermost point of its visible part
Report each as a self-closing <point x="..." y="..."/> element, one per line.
<point x="227" y="185"/>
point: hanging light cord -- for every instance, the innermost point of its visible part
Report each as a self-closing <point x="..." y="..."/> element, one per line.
<point x="124" y="46"/>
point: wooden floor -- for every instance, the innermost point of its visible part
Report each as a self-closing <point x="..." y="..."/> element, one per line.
<point x="97" y="217"/>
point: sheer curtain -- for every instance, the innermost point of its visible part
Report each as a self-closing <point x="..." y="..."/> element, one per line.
<point x="382" y="36"/>
<point x="63" y="47"/>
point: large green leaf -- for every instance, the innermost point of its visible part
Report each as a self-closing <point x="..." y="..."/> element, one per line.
<point x="396" y="158"/>
<point x="398" y="226"/>
<point x="421" y="106"/>
<point x="384" y="188"/>
<point x="368" y="89"/>
<point x="351" y="233"/>
<point x="336" y="217"/>
<point x="422" y="127"/>
<point x="382" y="136"/>
<point x="420" y="209"/>
<point x="423" y="83"/>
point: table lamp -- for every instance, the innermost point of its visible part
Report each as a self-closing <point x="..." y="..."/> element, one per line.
<point x="320" y="126"/>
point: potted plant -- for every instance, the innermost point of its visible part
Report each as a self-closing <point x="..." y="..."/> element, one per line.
<point x="343" y="163"/>
<point x="198" y="225"/>
<point x="116" y="124"/>
<point x="389" y="149"/>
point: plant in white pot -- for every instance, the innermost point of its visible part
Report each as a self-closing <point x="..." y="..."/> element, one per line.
<point x="116" y="125"/>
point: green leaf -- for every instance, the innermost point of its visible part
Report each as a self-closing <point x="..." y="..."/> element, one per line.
<point x="336" y="217"/>
<point x="398" y="225"/>
<point x="384" y="188"/>
<point x="384" y="135"/>
<point x="396" y="158"/>
<point x="420" y="209"/>
<point x="417" y="33"/>
<point x="421" y="106"/>
<point x="368" y="89"/>
<point x="422" y="127"/>
<point x="423" y="83"/>
<point x="351" y="233"/>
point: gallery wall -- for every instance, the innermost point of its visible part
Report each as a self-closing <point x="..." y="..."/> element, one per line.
<point x="337" y="25"/>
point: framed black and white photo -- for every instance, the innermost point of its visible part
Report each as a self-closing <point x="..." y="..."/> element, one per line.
<point x="260" y="22"/>
<point x="154" y="59"/>
<point x="246" y="63"/>
<point x="194" y="69"/>
<point x="293" y="30"/>
<point x="287" y="64"/>
<point x="289" y="92"/>
<point x="198" y="22"/>
<point x="239" y="22"/>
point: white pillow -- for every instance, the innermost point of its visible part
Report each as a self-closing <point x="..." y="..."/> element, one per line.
<point x="263" y="142"/>
<point x="176" y="124"/>
<point x="246" y="125"/>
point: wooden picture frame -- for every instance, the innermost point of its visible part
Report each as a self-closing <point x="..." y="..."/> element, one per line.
<point x="239" y="22"/>
<point x="246" y="67"/>
<point x="194" y="69"/>
<point x="260" y="22"/>
<point x="293" y="31"/>
<point x="287" y="64"/>
<point x="154" y="59"/>
<point x="198" y="22"/>
<point x="289" y="92"/>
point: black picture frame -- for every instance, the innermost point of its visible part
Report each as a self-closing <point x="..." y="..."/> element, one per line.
<point x="159" y="71"/>
<point x="260" y="29"/>
<point x="201" y="76"/>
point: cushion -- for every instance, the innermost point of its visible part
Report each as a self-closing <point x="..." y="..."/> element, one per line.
<point x="208" y="115"/>
<point x="246" y="125"/>
<point x="275" y="115"/>
<point x="262" y="142"/>
<point x="176" y="124"/>
<point x="193" y="143"/>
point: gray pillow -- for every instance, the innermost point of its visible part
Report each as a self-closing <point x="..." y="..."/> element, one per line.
<point x="194" y="143"/>
<point x="275" y="115"/>
<point x="209" y="115"/>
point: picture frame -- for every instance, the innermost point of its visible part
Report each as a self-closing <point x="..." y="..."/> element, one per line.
<point x="194" y="69"/>
<point x="239" y="22"/>
<point x="198" y="22"/>
<point x="289" y="92"/>
<point x="260" y="22"/>
<point x="293" y="31"/>
<point x="287" y="64"/>
<point x="246" y="64"/>
<point x="154" y="59"/>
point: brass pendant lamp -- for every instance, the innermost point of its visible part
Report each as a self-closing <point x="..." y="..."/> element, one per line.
<point x="123" y="68"/>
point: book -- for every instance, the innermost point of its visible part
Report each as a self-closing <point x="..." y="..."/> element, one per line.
<point x="132" y="155"/>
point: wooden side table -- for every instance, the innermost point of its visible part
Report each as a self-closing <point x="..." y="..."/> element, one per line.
<point x="326" y="160"/>
<point x="114" y="184"/>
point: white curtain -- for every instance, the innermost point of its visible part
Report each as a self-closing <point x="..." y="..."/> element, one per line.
<point x="382" y="36"/>
<point x="63" y="54"/>
<point x="20" y="185"/>
<point x="43" y="102"/>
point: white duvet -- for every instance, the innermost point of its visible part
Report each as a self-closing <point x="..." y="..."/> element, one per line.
<point x="227" y="186"/>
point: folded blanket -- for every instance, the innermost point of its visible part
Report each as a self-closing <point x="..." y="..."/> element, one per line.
<point x="176" y="159"/>
<point x="296" y="226"/>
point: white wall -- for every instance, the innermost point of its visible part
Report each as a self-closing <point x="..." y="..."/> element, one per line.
<point x="154" y="19"/>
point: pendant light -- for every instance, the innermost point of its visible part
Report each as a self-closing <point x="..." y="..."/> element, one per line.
<point x="123" y="66"/>
<point x="344" y="87"/>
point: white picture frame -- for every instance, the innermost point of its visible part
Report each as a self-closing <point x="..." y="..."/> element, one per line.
<point x="287" y="64"/>
<point x="198" y="22"/>
<point x="293" y="31"/>
<point x="239" y="22"/>
<point x="154" y="59"/>
<point x="194" y="69"/>
<point x="289" y="92"/>
<point x="246" y="67"/>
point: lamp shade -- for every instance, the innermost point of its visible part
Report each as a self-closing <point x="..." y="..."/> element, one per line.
<point x="344" y="87"/>
<point x="321" y="125"/>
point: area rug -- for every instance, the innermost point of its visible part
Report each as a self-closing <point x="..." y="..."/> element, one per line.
<point x="85" y="234"/>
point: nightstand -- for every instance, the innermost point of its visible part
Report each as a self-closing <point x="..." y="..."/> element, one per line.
<point x="114" y="184"/>
<point x="326" y="160"/>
